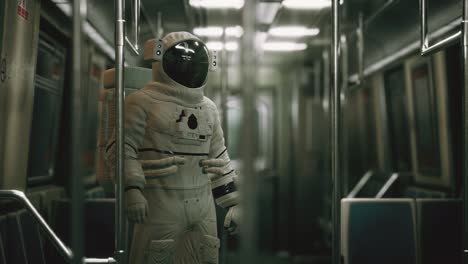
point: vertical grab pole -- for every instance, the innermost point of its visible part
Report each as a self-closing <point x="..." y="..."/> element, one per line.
<point x="76" y="181"/>
<point x="249" y="181"/>
<point x="136" y="21"/>
<point x="465" y="128"/>
<point x="335" y="139"/>
<point x="224" y="84"/>
<point x="423" y="20"/>
<point x="119" y="129"/>
<point x="360" y="48"/>
<point x="343" y="99"/>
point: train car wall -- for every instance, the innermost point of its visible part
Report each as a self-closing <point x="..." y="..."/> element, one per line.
<point x="434" y="171"/>
<point x="18" y="62"/>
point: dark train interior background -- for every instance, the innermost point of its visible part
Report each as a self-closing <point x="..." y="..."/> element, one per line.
<point x="401" y="127"/>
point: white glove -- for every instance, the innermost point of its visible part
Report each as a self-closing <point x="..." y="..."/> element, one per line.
<point x="213" y="167"/>
<point x="233" y="219"/>
<point x="161" y="167"/>
<point x="136" y="206"/>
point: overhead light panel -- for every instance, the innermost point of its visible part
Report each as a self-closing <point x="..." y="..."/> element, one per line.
<point x="284" y="46"/>
<point x="214" y="45"/>
<point x="208" y="31"/>
<point x="216" y="32"/>
<point x="231" y="46"/>
<point x="235" y="31"/>
<point x="293" y="31"/>
<point x="307" y="4"/>
<point x="217" y="4"/>
<point x="218" y="45"/>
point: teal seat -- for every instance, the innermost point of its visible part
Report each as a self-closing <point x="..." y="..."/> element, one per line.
<point x="379" y="231"/>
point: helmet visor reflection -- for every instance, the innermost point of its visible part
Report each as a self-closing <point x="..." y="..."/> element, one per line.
<point x="187" y="63"/>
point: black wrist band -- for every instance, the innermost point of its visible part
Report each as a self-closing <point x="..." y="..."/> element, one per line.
<point x="132" y="187"/>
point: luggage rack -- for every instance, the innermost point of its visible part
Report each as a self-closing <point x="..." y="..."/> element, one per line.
<point x="65" y="251"/>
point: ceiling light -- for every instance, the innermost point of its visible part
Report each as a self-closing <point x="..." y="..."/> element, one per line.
<point x="307" y="4"/>
<point x="208" y="31"/>
<point x="218" y="45"/>
<point x="214" y="45"/>
<point x="215" y="32"/>
<point x="217" y="4"/>
<point x="293" y="31"/>
<point x="231" y="46"/>
<point x="284" y="46"/>
<point x="235" y="31"/>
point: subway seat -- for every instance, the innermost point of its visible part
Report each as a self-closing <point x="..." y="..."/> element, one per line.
<point x="440" y="228"/>
<point x="404" y="231"/>
<point x="13" y="241"/>
<point x="98" y="227"/>
<point x="135" y="78"/>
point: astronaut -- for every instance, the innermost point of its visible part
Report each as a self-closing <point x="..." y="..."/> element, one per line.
<point x="176" y="162"/>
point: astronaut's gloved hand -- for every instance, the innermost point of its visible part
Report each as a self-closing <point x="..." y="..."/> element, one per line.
<point x="161" y="167"/>
<point x="136" y="205"/>
<point x="232" y="220"/>
<point x="213" y="167"/>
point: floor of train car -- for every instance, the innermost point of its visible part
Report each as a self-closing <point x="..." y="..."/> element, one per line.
<point x="231" y="259"/>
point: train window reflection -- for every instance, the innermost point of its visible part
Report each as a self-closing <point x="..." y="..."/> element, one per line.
<point x="46" y="111"/>
<point x="425" y="111"/>
<point x="395" y="91"/>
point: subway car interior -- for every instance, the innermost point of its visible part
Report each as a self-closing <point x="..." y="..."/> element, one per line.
<point x="234" y="131"/>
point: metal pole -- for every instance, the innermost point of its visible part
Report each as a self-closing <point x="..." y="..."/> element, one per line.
<point x="423" y="18"/>
<point x="326" y="81"/>
<point x="120" y="255"/>
<point x="465" y="128"/>
<point x="335" y="134"/>
<point x="248" y="150"/>
<point x="136" y="21"/>
<point x="76" y="180"/>
<point x="224" y="85"/>
<point x="343" y="98"/>
<point x="159" y="26"/>
<point x="426" y="49"/>
<point x="136" y="27"/>
<point x="21" y="197"/>
<point x="360" y="48"/>
<point x="405" y="51"/>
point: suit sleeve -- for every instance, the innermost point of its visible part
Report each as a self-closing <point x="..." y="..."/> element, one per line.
<point x="218" y="148"/>
<point x="223" y="187"/>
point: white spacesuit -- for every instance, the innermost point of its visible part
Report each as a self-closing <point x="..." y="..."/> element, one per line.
<point x="176" y="163"/>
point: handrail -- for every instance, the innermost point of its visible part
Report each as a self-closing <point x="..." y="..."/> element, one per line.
<point x="21" y="197"/>
<point x="358" y="187"/>
<point x="387" y="185"/>
<point x="59" y="245"/>
<point x="426" y="48"/>
<point x="136" y="27"/>
<point x="403" y="52"/>
<point x="335" y="124"/>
